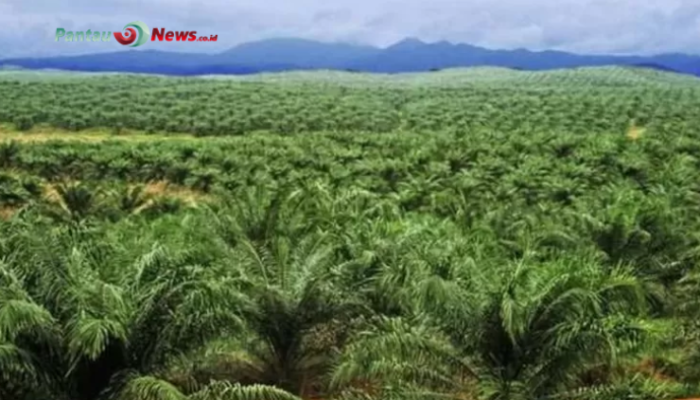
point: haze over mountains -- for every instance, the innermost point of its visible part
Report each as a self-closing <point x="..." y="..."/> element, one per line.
<point x="409" y="55"/>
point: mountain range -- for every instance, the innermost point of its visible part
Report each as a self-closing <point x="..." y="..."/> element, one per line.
<point x="408" y="55"/>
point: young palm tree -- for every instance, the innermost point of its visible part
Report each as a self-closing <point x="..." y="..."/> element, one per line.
<point x="8" y="153"/>
<point x="95" y="330"/>
<point x="72" y="202"/>
<point x="27" y="336"/>
<point x="533" y="332"/>
<point x="133" y="199"/>
<point x="297" y="321"/>
<point x="258" y="215"/>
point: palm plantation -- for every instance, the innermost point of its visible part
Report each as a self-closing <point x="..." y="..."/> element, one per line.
<point x="492" y="236"/>
<point x="287" y="316"/>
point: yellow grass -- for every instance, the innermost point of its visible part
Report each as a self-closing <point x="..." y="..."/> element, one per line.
<point x="6" y="212"/>
<point x="635" y="132"/>
<point x="51" y="194"/>
<point x="44" y="133"/>
<point x="50" y="189"/>
<point x="166" y="189"/>
<point x="154" y="190"/>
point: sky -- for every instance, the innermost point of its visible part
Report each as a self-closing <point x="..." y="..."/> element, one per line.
<point x="28" y="27"/>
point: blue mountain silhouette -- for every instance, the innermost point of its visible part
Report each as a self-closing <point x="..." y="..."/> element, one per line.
<point x="408" y="55"/>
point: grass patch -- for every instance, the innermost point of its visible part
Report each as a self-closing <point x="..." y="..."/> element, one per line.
<point x="45" y="133"/>
<point x="161" y="189"/>
<point x="635" y="132"/>
<point x="6" y="212"/>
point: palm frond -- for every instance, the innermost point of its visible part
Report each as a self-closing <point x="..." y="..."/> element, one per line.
<point x="149" y="388"/>
<point x="228" y="391"/>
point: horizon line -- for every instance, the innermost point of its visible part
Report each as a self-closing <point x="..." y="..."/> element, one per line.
<point x="379" y="48"/>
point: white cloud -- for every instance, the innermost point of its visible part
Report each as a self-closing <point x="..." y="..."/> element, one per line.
<point x="588" y="26"/>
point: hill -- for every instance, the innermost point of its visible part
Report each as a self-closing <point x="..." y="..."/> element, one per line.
<point x="297" y="54"/>
<point x="409" y="55"/>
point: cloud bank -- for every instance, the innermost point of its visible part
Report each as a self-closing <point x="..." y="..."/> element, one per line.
<point x="28" y="27"/>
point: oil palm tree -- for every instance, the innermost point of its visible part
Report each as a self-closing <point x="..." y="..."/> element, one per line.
<point x="25" y="329"/>
<point x="298" y="319"/>
<point x="72" y="202"/>
<point x="89" y="332"/>
<point x="530" y="332"/>
<point x="149" y="388"/>
<point x="133" y="199"/>
<point x="258" y="215"/>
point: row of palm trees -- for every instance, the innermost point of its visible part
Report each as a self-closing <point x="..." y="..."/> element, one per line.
<point x="223" y="107"/>
<point x="264" y="303"/>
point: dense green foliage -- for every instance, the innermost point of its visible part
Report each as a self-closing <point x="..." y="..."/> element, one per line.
<point x="476" y="234"/>
<point x="506" y="101"/>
